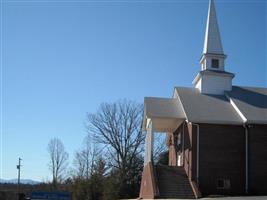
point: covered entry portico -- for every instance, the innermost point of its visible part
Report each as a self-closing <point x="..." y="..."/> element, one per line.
<point x="160" y="115"/>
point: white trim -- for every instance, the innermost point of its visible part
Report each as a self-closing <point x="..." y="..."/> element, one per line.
<point x="179" y="99"/>
<point x="194" y="82"/>
<point x="224" y="122"/>
<point x="237" y="109"/>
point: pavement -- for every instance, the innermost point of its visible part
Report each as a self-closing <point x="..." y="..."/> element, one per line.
<point x="221" y="198"/>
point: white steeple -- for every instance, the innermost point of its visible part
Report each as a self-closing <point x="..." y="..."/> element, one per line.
<point x="213" y="56"/>
<point x="212" y="42"/>
<point x="213" y="79"/>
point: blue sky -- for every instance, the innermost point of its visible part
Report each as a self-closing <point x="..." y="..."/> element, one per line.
<point x="62" y="59"/>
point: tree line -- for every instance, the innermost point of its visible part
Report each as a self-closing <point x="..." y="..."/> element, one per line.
<point x="108" y="165"/>
<point x="110" y="162"/>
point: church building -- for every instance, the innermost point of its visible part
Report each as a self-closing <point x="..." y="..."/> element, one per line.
<point x="216" y="132"/>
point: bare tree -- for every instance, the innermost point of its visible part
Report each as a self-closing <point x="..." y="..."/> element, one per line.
<point x="58" y="160"/>
<point x="85" y="158"/>
<point x="118" y="126"/>
<point x="160" y="146"/>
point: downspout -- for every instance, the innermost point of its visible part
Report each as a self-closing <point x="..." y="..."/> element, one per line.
<point x="197" y="125"/>
<point x="183" y="144"/>
<point x="246" y="143"/>
<point x="246" y="127"/>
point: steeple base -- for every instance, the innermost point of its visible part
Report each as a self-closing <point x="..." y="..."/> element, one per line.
<point x="213" y="82"/>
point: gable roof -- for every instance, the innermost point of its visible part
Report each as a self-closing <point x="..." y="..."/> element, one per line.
<point x="206" y="108"/>
<point x="251" y="102"/>
<point x="168" y="109"/>
<point x="236" y="107"/>
<point x="163" y="108"/>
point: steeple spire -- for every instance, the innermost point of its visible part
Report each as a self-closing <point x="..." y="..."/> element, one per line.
<point x="213" y="56"/>
<point x="212" y="42"/>
<point x="213" y="79"/>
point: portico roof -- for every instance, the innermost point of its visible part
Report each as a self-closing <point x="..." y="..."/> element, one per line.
<point x="166" y="113"/>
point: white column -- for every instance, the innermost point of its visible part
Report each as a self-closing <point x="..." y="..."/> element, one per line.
<point x="149" y="143"/>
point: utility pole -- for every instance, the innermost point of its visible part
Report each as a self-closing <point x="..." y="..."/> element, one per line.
<point x="18" y="167"/>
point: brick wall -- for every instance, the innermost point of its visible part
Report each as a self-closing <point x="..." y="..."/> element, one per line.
<point x="258" y="159"/>
<point x="221" y="156"/>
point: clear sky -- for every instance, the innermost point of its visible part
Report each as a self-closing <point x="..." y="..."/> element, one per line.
<point x="62" y="59"/>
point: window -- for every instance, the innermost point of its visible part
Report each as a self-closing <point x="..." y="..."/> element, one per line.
<point x="179" y="139"/>
<point x="214" y="63"/>
<point x="178" y="142"/>
<point x="223" y="184"/>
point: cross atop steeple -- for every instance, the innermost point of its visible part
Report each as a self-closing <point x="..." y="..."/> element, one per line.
<point x="212" y="42"/>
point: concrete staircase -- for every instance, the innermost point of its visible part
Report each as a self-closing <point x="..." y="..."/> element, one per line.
<point x="173" y="182"/>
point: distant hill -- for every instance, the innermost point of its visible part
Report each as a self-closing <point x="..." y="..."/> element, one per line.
<point x="22" y="181"/>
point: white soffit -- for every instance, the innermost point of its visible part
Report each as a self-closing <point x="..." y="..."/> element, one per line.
<point x="165" y="113"/>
